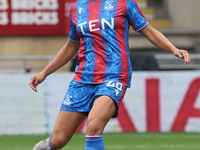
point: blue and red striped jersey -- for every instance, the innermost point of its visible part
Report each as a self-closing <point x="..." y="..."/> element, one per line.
<point x="102" y="27"/>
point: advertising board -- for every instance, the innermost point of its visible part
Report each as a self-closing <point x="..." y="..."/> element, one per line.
<point x="155" y="102"/>
<point x="34" y="17"/>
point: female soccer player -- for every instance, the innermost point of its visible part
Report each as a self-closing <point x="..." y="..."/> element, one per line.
<point x="99" y="32"/>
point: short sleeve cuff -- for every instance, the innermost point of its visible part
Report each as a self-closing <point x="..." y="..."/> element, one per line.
<point x="142" y="26"/>
<point x="74" y="40"/>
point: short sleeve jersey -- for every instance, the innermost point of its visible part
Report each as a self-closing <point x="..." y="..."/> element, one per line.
<point x="102" y="28"/>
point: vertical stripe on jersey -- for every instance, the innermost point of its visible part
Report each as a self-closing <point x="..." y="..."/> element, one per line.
<point x="108" y="36"/>
<point x="121" y="42"/>
<point x="81" y="54"/>
<point x="99" y="48"/>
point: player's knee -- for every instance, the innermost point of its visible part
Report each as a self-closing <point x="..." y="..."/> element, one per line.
<point x="58" y="142"/>
<point x="94" y="128"/>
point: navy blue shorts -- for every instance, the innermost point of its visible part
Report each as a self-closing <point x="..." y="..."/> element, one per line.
<point x="80" y="96"/>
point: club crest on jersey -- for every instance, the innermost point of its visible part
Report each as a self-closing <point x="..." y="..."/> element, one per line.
<point x="109" y="5"/>
<point x="67" y="100"/>
<point x="80" y="10"/>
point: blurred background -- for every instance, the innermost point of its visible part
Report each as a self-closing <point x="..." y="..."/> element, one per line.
<point x="164" y="95"/>
<point x="27" y="32"/>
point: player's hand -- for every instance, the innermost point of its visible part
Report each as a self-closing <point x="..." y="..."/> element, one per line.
<point x="183" y="54"/>
<point x="36" y="79"/>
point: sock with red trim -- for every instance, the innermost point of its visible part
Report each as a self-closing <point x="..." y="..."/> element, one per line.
<point x="94" y="142"/>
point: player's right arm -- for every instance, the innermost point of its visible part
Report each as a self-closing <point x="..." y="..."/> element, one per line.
<point x="62" y="57"/>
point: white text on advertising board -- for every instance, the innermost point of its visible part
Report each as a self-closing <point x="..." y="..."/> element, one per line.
<point x="35" y="4"/>
<point x="29" y="12"/>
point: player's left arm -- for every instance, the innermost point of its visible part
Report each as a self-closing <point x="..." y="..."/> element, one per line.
<point x="159" y="40"/>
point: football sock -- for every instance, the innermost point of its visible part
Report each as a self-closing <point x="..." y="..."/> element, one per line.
<point x="94" y="142"/>
<point x="50" y="140"/>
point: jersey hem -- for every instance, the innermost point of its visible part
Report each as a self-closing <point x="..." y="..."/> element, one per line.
<point x="99" y="82"/>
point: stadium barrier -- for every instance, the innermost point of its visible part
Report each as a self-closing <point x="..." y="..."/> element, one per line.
<point x="28" y="63"/>
<point x="155" y="102"/>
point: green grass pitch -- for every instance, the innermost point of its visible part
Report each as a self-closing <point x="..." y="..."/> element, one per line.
<point x="114" y="141"/>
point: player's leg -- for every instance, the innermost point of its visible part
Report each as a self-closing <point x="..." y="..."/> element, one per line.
<point x="101" y="112"/>
<point x="66" y="124"/>
<point x="110" y="95"/>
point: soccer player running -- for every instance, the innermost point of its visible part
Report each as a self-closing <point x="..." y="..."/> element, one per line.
<point x="99" y="32"/>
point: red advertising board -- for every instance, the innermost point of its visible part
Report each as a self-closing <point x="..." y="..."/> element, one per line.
<point x="34" y="17"/>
